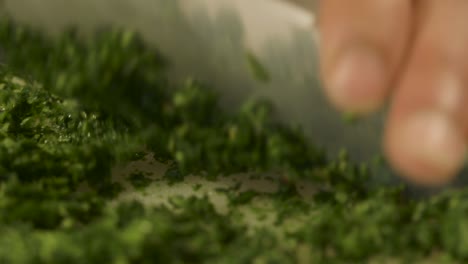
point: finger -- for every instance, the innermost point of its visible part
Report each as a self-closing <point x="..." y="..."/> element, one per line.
<point x="362" y="43"/>
<point x="427" y="126"/>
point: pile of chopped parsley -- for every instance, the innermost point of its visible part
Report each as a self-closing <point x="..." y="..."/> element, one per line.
<point x="72" y="108"/>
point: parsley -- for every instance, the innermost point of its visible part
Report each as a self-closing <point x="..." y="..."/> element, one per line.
<point x="72" y="109"/>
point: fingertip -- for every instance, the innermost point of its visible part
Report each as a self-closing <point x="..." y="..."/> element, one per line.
<point x="357" y="81"/>
<point x="427" y="150"/>
<point x="361" y="46"/>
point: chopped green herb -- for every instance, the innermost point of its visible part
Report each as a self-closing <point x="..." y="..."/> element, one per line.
<point x="173" y="174"/>
<point x="111" y="190"/>
<point x="139" y="180"/>
<point x="257" y="69"/>
<point x="242" y="198"/>
<point x="140" y="155"/>
<point x="197" y="187"/>
<point x="351" y="118"/>
<point x="71" y="109"/>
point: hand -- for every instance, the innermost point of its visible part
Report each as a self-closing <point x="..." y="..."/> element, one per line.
<point x="413" y="53"/>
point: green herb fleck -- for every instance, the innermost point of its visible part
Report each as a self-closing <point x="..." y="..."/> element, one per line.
<point x="257" y="69"/>
<point x="139" y="180"/>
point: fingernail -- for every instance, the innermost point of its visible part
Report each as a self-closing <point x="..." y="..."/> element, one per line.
<point x="434" y="139"/>
<point x="358" y="80"/>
